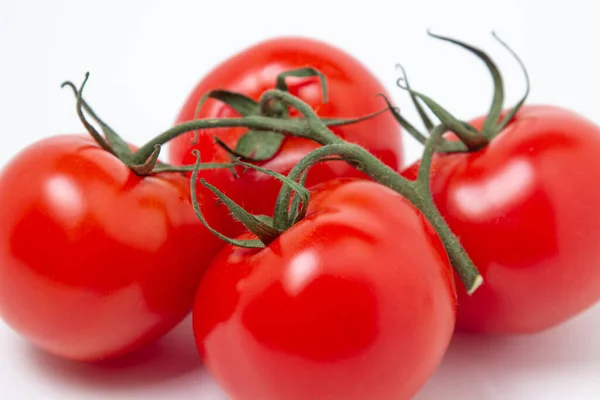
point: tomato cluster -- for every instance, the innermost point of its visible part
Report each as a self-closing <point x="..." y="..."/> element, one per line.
<point x="315" y="263"/>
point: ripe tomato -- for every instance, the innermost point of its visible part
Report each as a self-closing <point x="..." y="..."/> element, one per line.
<point x="352" y="93"/>
<point x="356" y="301"/>
<point x="524" y="209"/>
<point x="95" y="261"/>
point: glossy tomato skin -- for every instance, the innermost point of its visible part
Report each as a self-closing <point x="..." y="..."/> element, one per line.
<point x="525" y="209"/>
<point x="95" y="261"/>
<point x="357" y="301"/>
<point x="352" y="93"/>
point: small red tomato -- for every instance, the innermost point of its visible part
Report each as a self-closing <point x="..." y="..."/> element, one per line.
<point x="95" y="261"/>
<point x="352" y="91"/>
<point x="524" y="209"/>
<point x="356" y="301"/>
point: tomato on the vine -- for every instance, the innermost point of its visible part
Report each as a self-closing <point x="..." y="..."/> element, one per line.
<point x="96" y="261"/>
<point x="352" y="92"/>
<point x="524" y="208"/>
<point x="355" y="301"/>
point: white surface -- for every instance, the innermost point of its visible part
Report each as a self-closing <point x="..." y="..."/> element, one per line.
<point x="144" y="58"/>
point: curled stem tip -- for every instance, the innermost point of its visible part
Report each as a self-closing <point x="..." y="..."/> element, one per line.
<point x="70" y="85"/>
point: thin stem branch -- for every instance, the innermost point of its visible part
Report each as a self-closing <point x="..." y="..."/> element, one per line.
<point x="458" y="256"/>
<point x="297" y="127"/>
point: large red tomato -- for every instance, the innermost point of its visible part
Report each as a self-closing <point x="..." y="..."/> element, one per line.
<point x="352" y="93"/>
<point x="356" y="301"/>
<point x="95" y="261"/>
<point x="525" y="210"/>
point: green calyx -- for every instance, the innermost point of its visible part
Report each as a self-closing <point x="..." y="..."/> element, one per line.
<point x="470" y="139"/>
<point x="110" y="141"/>
<point x="261" y="145"/>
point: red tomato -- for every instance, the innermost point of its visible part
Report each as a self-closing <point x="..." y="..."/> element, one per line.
<point x="356" y="301"/>
<point x="95" y="261"/>
<point x="352" y="93"/>
<point x="524" y="208"/>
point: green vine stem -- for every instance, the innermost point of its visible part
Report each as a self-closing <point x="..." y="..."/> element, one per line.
<point x="313" y="128"/>
<point x="300" y="127"/>
<point x="145" y="160"/>
<point x="417" y="192"/>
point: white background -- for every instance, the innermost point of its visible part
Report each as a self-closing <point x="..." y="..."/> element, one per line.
<point x="145" y="57"/>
